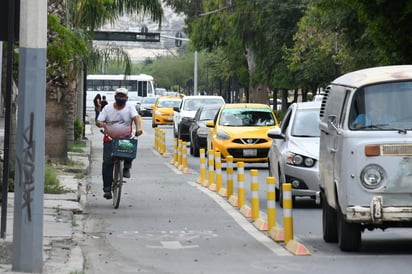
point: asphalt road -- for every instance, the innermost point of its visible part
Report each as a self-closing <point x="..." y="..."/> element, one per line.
<point x="167" y="223"/>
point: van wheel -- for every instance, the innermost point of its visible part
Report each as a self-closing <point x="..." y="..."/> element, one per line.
<point x="329" y="219"/>
<point x="349" y="235"/>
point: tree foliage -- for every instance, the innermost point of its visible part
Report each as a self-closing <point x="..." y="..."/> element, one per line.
<point x="64" y="47"/>
<point x="299" y="43"/>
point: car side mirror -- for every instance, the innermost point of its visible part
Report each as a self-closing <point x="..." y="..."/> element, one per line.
<point x="276" y="133"/>
<point x="210" y="123"/>
<point x="177" y="109"/>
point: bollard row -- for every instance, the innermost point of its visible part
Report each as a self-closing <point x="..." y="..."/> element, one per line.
<point x="213" y="180"/>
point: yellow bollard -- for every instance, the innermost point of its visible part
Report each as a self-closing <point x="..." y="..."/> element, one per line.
<point x="183" y="150"/>
<point x="287" y="212"/>
<point x="184" y="166"/>
<point x="218" y="172"/>
<point x="155" y="139"/>
<point x="241" y="183"/>
<point x="174" y="160"/>
<point x="254" y="187"/>
<point x="271" y="202"/>
<point x="179" y="153"/>
<point x="211" y="168"/>
<point x="164" y="150"/>
<point x="161" y="142"/>
<point x="202" y="159"/>
<point x="229" y="175"/>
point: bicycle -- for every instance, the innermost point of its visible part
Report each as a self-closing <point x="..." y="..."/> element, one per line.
<point x="121" y="149"/>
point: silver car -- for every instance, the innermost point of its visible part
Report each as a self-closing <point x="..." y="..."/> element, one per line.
<point x="294" y="154"/>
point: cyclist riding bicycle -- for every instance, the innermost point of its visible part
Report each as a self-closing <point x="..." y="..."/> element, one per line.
<point x="117" y="120"/>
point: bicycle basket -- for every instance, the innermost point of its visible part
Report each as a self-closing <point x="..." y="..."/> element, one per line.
<point x="124" y="148"/>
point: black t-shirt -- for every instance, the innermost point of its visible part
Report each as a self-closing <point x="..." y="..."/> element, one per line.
<point x="103" y="103"/>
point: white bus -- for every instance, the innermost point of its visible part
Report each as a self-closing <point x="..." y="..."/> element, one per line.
<point x="138" y="85"/>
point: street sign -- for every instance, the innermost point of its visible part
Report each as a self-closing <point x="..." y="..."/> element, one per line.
<point x="127" y="36"/>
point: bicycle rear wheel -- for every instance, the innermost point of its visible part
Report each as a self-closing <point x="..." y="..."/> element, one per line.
<point x="117" y="182"/>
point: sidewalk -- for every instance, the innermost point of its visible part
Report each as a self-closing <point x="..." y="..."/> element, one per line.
<point x="62" y="222"/>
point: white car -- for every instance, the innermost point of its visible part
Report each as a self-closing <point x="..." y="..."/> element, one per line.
<point x="187" y="109"/>
<point x="294" y="155"/>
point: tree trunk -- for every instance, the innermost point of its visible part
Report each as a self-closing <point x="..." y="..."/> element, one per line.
<point x="56" y="139"/>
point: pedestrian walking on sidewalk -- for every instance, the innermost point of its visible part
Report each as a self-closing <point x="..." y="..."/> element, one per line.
<point x="117" y="120"/>
<point x="103" y="103"/>
<point x="97" y="106"/>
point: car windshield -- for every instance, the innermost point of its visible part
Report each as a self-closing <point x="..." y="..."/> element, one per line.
<point x="246" y="117"/>
<point x="149" y="100"/>
<point x="194" y="104"/>
<point x="382" y="107"/>
<point x="208" y="114"/>
<point x="306" y="123"/>
<point x="168" y="103"/>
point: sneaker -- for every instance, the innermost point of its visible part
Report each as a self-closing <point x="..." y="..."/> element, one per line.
<point x="126" y="172"/>
<point x="107" y="195"/>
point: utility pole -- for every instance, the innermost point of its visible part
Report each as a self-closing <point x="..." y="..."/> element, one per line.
<point x="195" y="75"/>
<point x="30" y="159"/>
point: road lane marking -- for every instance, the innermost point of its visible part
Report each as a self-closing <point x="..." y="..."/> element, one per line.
<point x="244" y="223"/>
<point x="172" y="245"/>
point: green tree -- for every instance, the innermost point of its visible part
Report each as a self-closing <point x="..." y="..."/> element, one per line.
<point x="388" y="25"/>
<point x="64" y="93"/>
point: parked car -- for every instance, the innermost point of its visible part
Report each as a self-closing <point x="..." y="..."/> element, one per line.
<point x="163" y="110"/>
<point x="294" y="155"/>
<point x="144" y="107"/>
<point x="187" y="110"/>
<point x="365" y="164"/>
<point x="198" y="130"/>
<point x="240" y="130"/>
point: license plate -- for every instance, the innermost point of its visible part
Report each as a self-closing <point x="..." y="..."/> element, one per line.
<point x="250" y="152"/>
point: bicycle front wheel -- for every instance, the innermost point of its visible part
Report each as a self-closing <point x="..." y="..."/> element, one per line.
<point x="117" y="182"/>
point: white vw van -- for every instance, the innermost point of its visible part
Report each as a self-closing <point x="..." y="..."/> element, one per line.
<point x="365" y="159"/>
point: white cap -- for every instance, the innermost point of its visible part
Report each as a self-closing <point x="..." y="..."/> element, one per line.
<point x="121" y="91"/>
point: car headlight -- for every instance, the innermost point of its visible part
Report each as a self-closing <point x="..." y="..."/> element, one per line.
<point x="372" y="176"/>
<point x="222" y="135"/>
<point x="299" y="160"/>
<point x="202" y="131"/>
<point x="158" y="112"/>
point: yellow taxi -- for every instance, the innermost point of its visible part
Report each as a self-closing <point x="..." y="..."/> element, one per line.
<point x="163" y="110"/>
<point x="240" y="130"/>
